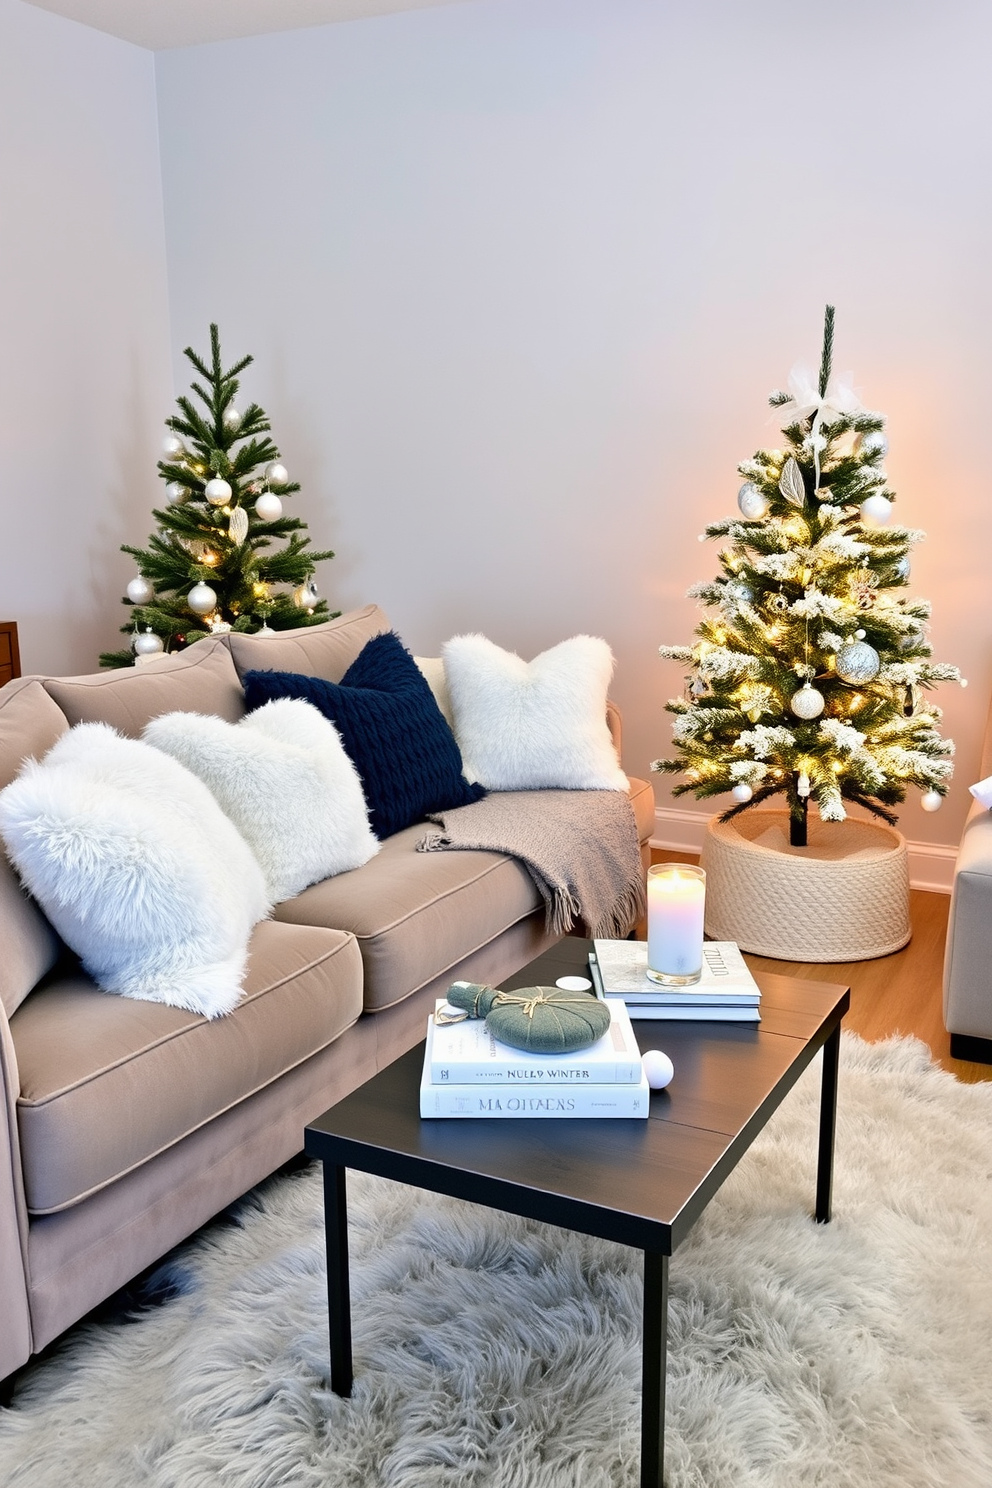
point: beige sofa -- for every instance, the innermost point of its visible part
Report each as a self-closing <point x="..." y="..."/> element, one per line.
<point x="127" y="1124"/>
<point x="968" y="953"/>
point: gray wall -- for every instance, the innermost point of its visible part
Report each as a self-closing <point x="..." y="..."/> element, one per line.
<point x="520" y="274"/>
<point x="85" y="372"/>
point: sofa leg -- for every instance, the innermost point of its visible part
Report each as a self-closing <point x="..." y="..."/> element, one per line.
<point x="968" y="1046"/>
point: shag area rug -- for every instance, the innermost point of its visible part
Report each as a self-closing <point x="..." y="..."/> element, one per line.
<point x="492" y="1352"/>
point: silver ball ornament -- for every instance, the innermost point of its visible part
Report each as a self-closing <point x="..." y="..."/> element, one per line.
<point x="177" y="492"/>
<point x="139" y="591"/>
<point x="201" y="599"/>
<point x="752" y="501"/>
<point x="873" y="445"/>
<point x="148" y="644"/>
<point x="876" y="511"/>
<point x="807" y="703"/>
<point x="276" y="474"/>
<point x="742" y="793"/>
<point x="857" y="662"/>
<point x="931" y="800"/>
<point x="217" y="491"/>
<point x="231" y="418"/>
<point x="903" y="568"/>
<point x="306" y="596"/>
<point x="172" y="446"/>
<point x="268" y="508"/>
<point x="737" y="589"/>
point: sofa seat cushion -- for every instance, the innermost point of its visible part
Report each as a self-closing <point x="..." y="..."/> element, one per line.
<point x="107" y="1083"/>
<point x="416" y="915"/>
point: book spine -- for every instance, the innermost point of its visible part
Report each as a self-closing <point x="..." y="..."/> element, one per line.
<point x="566" y="1076"/>
<point x="509" y="1102"/>
<point x="695" y="1015"/>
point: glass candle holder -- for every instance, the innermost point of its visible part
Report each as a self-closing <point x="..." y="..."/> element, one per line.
<point x="676" y="900"/>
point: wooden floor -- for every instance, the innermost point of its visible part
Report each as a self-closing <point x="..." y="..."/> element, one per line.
<point x="895" y="994"/>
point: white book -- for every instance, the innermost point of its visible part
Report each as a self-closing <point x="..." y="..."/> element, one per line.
<point x="534" y="1102"/>
<point x="466" y="1053"/>
<point x="620" y="967"/>
<point x="704" y="1014"/>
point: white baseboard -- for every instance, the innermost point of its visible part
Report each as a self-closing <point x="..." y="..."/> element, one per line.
<point x="931" y="865"/>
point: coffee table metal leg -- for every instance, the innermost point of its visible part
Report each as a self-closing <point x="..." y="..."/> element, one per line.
<point x="828" y="1126"/>
<point x="655" y="1350"/>
<point x="338" y="1286"/>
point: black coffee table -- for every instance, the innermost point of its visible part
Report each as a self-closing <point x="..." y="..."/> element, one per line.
<point x="643" y="1183"/>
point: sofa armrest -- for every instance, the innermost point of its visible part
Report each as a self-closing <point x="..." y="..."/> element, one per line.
<point x="614" y="722"/>
<point x="15" y="1335"/>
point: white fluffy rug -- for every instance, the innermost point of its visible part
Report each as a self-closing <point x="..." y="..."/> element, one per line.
<point x="497" y="1353"/>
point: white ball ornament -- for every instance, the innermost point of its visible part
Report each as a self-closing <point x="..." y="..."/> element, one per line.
<point x="217" y="491"/>
<point x="876" y="511"/>
<point x="268" y="508"/>
<point x="857" y="662"/>
<point x="172" y="446"/>
<point x="231" y="418"/>
<point x="201" y="599"/>
<point x="276" y="474"/>
<point x="742" y="793"/>
<point x="807" y="703"/>
<point x="752" y="501"/>
<point x="658" y="1068"/>
<point x="931" y="800"/>
<point x="177" y="492"/>
<point x="139" y="591"/>
<point x="148" y="644"/>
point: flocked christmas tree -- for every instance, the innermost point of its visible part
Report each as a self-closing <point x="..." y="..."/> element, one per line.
<point x="212" y="565"/>
<point x="808" y="672"/>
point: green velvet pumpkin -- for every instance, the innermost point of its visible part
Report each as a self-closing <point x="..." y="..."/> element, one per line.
<point x="544" y="1020"/>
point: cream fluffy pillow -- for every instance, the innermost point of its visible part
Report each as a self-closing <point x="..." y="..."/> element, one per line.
<point x="533" y="725"/>
<point x="137" y="868"/>
<point x="283" y="778"/>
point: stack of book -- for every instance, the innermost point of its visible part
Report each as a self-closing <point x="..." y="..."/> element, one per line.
<point x="725" y="993"/>
<point x="469" y="1073"/>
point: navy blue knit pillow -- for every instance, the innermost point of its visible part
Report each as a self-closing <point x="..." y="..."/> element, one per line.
<point x="390" y="726"/>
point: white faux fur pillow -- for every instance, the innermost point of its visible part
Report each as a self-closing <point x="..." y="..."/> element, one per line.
<point x="536" y="725"/>
<point x="137" y="868"/>
<point x="283" y="778"/>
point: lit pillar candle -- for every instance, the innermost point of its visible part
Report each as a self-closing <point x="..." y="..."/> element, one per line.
<point x="676" y="898"/>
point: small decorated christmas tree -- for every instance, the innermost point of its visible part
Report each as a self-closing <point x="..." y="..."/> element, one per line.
<point x="211" y="566"/>
<point x="808" y="672"/>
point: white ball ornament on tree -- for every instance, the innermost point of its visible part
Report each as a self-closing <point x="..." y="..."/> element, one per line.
<point x="231" y="418"/>
<point x="268" y="507"/>
<point x="177" y="492"/>
<point x="858" y="663"/>
<point x="217" y="491"/>
<point x="876" y="511"/>
<point x="147" y="644"/>
<point x="931" y="800"/>
<point x="807" y="703"/>
<point x="139" y="591"/>
<point x="201" y="599"/>
<point x="276" y="473"/>
<point x="873" y="445"/>
<point x="742" y="793"/>
<point x="172" y="447"/>
<point x="752" y="501"/>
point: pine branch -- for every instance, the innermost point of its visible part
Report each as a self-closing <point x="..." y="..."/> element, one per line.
<point x="828" y="349"/>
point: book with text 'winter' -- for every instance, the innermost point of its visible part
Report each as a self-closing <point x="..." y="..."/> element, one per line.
<point x="466" y="1053"/>
<point x="534" y="1101"/>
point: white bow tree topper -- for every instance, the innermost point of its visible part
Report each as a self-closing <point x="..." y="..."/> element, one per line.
<point x="807" y="674"/>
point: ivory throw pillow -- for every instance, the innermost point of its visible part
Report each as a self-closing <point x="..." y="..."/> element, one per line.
<point x="538" y="725"/>
<point x="137" y="868"/>
<point x="390" y="726"/>
<point x="283" y="778"/>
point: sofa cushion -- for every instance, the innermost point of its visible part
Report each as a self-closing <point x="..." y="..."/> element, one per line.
<point x="284" y="779"/>
<point x="538" y="725"/>
<point x="137" y="868"/>
<point x="30" y="723"/>
<point x="391" y="727"/>
<point x="325" y="650"/>
<point x="201" y="679"/>
<point x="86" y="1059"/>
<point x="417" y="914"/>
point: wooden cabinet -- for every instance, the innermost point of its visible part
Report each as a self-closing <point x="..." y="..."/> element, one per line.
<point x="10" y="656"/>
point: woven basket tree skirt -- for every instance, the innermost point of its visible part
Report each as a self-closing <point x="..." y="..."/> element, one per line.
<point x="844" y="897"/>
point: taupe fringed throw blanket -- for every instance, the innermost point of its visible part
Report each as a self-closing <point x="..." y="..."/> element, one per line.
<point x="580" y="848"/>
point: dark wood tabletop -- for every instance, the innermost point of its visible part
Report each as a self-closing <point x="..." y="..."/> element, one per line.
<point x="643" y="1183"/>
